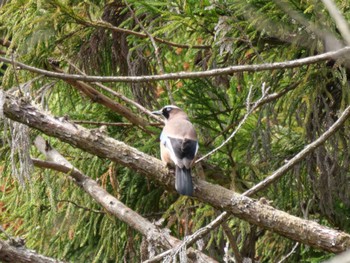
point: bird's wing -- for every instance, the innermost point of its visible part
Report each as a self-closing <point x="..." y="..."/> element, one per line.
<point x="165" y="140"/>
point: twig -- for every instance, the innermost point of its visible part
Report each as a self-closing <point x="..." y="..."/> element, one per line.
<point x="301" y="155"/>
<point x="106" y="101"/>
<point x="267" y="99"/>
<point x="189" y="240"/>
<point x="290" y="253"/>
<point x="339" y="20"/>
<point x="117" y="124"/>
<point x="82" y="207"/>
<point x="233" y="243"/>
<point x="188" y="75"/>
<point x="15" y="74"/>
<point x="126" y="99"/>
<point x="249" y="111"/>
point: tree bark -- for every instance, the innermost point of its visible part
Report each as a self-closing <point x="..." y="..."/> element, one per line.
<point x="331" y="55"/>
<point x="9" y="253"/>
<point x="254" y="212"/>
<point x="100" y="98"/>
<point x="154" y="235"/>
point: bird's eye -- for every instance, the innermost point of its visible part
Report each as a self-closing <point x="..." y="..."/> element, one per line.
<point x="168" y="109"/>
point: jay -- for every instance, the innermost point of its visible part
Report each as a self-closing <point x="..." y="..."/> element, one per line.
<point x="178" y="146"/>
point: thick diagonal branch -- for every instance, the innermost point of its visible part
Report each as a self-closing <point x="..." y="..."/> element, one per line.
<point x="254" y="212"/>
<point x="111" y="203"/>
<point x="10" y="253"/>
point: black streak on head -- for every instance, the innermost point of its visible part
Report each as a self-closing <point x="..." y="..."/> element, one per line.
<point x="166" y="112"/>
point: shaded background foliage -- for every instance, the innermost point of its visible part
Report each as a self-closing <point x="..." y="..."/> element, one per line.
<point x="57" y="218"/>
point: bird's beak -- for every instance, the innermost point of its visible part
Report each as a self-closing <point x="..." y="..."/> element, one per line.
<point x="158" y="112"/>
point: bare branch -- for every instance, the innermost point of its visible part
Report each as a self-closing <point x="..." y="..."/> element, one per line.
<point x="233" y="243"/>
<point x="254" y="212"/>
<point x="339" y="20"/>
<point x="126" y="99"/>
<point x="10" y="253"/>
<point x="98" y="97"/>
<point x="249" y="111"/>
<point x="290" y="253"/>
<point x="191" y="239"/>
<point x="81" y="207"/>
<point x="332" y="55"/>
<point x="111" y="203"/>
<point x="117" y="124"/>
<point x="301" y="155"/>
<point x="119" y="95"/>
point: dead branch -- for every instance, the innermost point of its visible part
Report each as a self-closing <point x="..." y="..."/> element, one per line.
<point x="191" y="239"/>
<point x="339" y="20"/>
<point x="19" y="254"/>
<point x="111" y="203"/>
<point x="254" y="212"/>
<point x="98" y="97"/>
<point x="332" y="55"/>
<point x="233" y="243"/>
<point x="301" y="155"/>
<point x="119" y="95"/>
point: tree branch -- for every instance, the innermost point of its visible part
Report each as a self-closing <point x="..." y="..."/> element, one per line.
<point x="237" y="255"/>
<point x="188" y="75"/>
<point x="254" y="212"/>
<point x="10" y="253"/>
<point x="191" y="239"/>
<point x="301" y="155"/>
<point x="339" y="20"/>
<point x="117" y="124"/>
<point x="109" y="202"/>
<point x="105" y="25"/>
<point x="100" y="98"/>
<point x="119" y="95"/>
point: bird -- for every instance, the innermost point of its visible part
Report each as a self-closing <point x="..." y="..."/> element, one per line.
<point x="178" y="146"/>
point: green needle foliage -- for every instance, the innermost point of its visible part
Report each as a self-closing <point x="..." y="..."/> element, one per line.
<point x="58" y="219"/>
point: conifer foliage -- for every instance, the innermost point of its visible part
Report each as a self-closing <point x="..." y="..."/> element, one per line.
<point x="265" y="84"/>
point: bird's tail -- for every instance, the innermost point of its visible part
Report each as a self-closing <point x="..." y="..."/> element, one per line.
<point x="183" y="181"/>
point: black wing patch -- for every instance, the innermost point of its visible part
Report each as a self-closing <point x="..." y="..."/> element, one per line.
<point x="184" y="148"/>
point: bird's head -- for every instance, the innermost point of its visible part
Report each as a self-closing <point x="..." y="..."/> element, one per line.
<point x="168" y="111"/>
